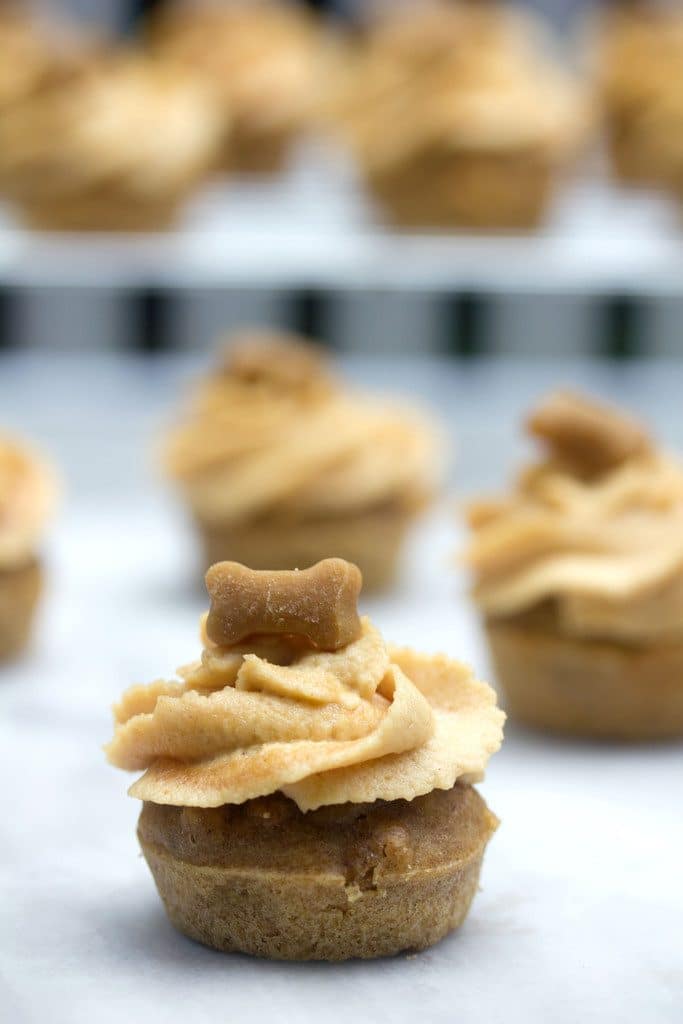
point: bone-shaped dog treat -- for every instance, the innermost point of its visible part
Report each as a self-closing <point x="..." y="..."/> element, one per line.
<point x="589" y="436"/>
<point x="319" y="603"/>
<point x="284" y="361"/>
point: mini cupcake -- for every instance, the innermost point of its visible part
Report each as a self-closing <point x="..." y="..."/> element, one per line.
<point x="281" y="466"/>
<point x="27" y="498"/>
<point x="261" y="60"/>
<point x="579" y="577"/>
<point x="308" y="790"/>
<point x="459" y="119"/>
<point x="639" y="59"/>
<point x="117" y="145"/>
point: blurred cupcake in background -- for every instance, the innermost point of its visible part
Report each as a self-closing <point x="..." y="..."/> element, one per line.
<point x="38" y="52"/>
<point x="261" y="59"/>
<point x="578" y="574"/>
<point x="25" y="56"/>
<point x="116" y="144"/>
<point x="639" y="67"/>
<point x="458" y="116"/>
<point x="28" y="491"/>
<point x="282" y="466"/>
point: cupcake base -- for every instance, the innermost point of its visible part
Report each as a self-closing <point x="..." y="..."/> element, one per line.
<point x="362" y="880"/>
<point x="481" y="191"/>
<point x="637" y="161"/>
<point x="258" y="154"/>
<point x="370" y="540"/>
<point x="19" y="592"/>
<point x="583" y="687"/>
<point x="100" y="213"/>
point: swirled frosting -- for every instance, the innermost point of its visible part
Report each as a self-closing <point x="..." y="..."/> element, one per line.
<point x="260" y="58"/>
<point x="36" y="52"/>
<point x="595" y="530"/>
<point x="638" y="57"/>
<point x="120" y="123"/>
<point x="27" y="498"/>
<point x="272" y="432"/>
<point x="364" y="723"/>
<point x="25" y="56"/>
<point x="457" y="77"/>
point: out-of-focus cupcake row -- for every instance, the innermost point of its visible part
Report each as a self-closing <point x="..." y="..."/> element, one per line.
<point x="457" y="114"/>
<point x="577" y="571"/>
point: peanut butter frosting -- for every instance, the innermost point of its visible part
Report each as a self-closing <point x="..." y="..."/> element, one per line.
<point x="120" y="123"/>
<point x="259" y="57"/>
<point x="639" y="52"/>
<point x="595" y="529"/>
<point x="362" y="723"/>
<point x="25" y="55"/>
<point x="460" y="77"/>
<point x="272" y="432"/>
<point x="28" y="491"/>
<point x="36" y="52"/>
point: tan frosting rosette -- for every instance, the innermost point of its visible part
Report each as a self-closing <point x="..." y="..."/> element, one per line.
<point x="271" y="714"/>
<point x="38" y="51"/>
<point x="594" y="531"/>
<point x="637" y="58"/>
<point x="119" y="128"/>
<point x="28" y="492"/>
<point x="261" y="60"/>
<point x="273" y="432"/>
<point x="464" y="77"/>
<point x="25" y="56"/>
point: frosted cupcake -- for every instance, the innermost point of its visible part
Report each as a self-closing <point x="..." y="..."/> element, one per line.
<point x="458" y="118"/>
<point x="639" y="59"/>
<point x="27" y="499"/>
<point x="261" y="61"/>
<point x="281" y="465"/>
<point x="307" y="790"/>
<point x="116" y="146"/>
<point x="579" y="577"/>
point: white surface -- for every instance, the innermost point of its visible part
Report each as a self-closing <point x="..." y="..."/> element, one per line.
<point x="581" y="909"/>
<point x="314" y="228"/>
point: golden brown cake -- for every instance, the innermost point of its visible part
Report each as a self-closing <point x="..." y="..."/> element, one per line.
<point x="308" y="790"/>
<point x="27" y="497"/>
<point x="281" y="466"/>
<point x="579" y="577"/>
<point x="459" y="119"/>
<point x="117" y="145"/>
<point x="638" y="63"/>
<point x="261" y="60"/>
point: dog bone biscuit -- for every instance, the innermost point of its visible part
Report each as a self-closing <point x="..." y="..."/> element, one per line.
<point x="319" y="603"/>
